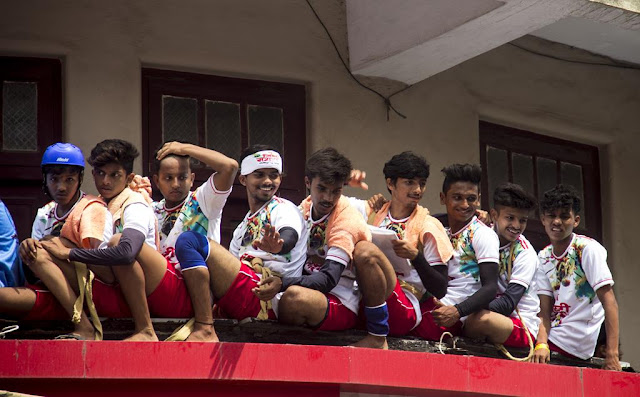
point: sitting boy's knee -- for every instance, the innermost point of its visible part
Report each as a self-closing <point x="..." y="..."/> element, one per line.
<point x="364" y="252"/>
<point x="292" y="297"/>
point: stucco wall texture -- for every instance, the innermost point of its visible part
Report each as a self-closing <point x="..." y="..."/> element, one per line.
<point x="103" y="45"/>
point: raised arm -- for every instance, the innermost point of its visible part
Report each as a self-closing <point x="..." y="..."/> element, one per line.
<point x="225" y="167"/>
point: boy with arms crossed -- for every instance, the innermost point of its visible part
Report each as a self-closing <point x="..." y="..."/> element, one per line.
<point x="469" y="282"/>
<point x="270" y="240"/>
<point x="199" y="211"/>
<point x="574" y="285"/>
<point x="500" y="324"/>
<point x="325" y="297"/>
<point x="421" y="238"/>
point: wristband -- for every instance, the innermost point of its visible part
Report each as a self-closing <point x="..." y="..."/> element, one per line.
<point x="541" y="346"/>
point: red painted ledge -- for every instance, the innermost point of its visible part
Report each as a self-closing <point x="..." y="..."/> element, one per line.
<point x="162" y="368"/>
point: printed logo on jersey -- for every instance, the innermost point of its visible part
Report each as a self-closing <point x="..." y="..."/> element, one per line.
<point x="462" y="245"/>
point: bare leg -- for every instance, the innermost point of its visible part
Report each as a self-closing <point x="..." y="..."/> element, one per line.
<point x="133" y="283"/>
<point x="302" y="306"/>
<point x="221" y="270"/>
<point x="198" y="285"/>
<point x="490" y="326"/>
<point x="376" y="279"/>
<point x="60" y="279"/>
<point x="16" y="302"/>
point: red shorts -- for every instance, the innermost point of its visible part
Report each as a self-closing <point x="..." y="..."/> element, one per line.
<point x="339" y="317"/>
<point x="171" y="299"/>
<point x="109" y="300"/>
<point x="518" y="337"/>
<point x="46" y="306"/>
<point x="555" y="348"/>
<point x="428" y="329"/>
<point x="239" y="302"/>
<point x="402" y="315"/>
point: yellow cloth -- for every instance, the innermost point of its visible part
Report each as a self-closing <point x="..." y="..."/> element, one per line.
<point x="419" y="224"/>
<point x="86" y="221"/>
<point x="345" y="226"/>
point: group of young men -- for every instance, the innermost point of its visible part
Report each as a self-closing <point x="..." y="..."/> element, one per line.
<point x="313" y="264"/>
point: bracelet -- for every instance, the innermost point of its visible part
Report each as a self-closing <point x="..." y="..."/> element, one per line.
<point x="541" y="346"/>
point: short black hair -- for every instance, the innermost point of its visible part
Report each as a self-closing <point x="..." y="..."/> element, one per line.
<point x="156" y="162"/>
<point x="329" y="165"/>
<point x="453" y="173"/>
<point x="513" y="196"/>
<point x="406" y="165"/>
<point x="114" y="151"/>
<point x="560" y="197"/>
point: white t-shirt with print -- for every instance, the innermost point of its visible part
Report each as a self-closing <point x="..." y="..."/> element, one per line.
<point x="279" y="213"/>
<point x="47" y="222"/>
<point x="473" y="244"/>
<point x="140" y="217"/>
<point x="318" y="252"/>
<point x="524" y="262"/>
<point x="201" y="212"/>
<point x="430" y="253"/>
<point x="572" y="280"/>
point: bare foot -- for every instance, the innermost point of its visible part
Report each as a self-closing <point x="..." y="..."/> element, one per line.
<point x="203" y="333"/>
<point x="144" y="335"/>
<point x="372" y="342"/>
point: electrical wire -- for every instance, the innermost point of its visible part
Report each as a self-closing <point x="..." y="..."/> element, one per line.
<point x="613" y="65"/>
<point x="386" y="99"/>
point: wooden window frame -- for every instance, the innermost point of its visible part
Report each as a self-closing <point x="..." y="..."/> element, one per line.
<point x="514" y="140"/>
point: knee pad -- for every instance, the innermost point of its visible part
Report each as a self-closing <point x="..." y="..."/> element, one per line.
<point x="192" y="250"/>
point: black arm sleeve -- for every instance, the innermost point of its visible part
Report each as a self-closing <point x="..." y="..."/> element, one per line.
<point x="507" y="303"/>
<point x="323" y="280"/>
<point x="434" y="278"/>
<point x="290" y="237"/>
<point x="481" y="298"/>
<point x="124" y="253"/>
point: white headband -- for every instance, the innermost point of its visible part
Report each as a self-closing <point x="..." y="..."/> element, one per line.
<point x="262" y="159"/>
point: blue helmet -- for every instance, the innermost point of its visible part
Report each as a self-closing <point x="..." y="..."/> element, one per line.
<point x="63" y="154"/>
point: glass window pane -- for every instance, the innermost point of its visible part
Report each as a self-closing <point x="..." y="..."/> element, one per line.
<point x="497" y="171"/>
<point x="19" y="116"/>
<point x="265" y="126"/>
<point x="571" y="174"/>
<point x="547" y="175"/>
<point x="223" y="128"/>
<point x="522" y="171"/>
<point x="179" y="119"/>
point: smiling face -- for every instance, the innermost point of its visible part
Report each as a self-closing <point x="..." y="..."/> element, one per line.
<point x="111" y="179"/>
<point x="510" y="222"/>
<point x="63" y="186"/>
<point x="559" y="224"/>
<point x="262" y="184"/>
<point x="324" y="195"/>
<point x="462" y="199"/>
<point x="407" y="192"/>
<point x="174" y="179"/>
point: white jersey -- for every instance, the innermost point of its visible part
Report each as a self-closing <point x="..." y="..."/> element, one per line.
<point x="474" y="244"/>
<point x="279" y="213"/>
<point x="430" y="252"/>
<point x="572" y="280"/>
<point x="200" y="212"/>
<point x="524" y="262"/>
<point x="47" y="222"/>
<point x="140" y="217"/>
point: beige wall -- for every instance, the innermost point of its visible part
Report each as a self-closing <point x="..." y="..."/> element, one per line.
<point x="103" y="46"/>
